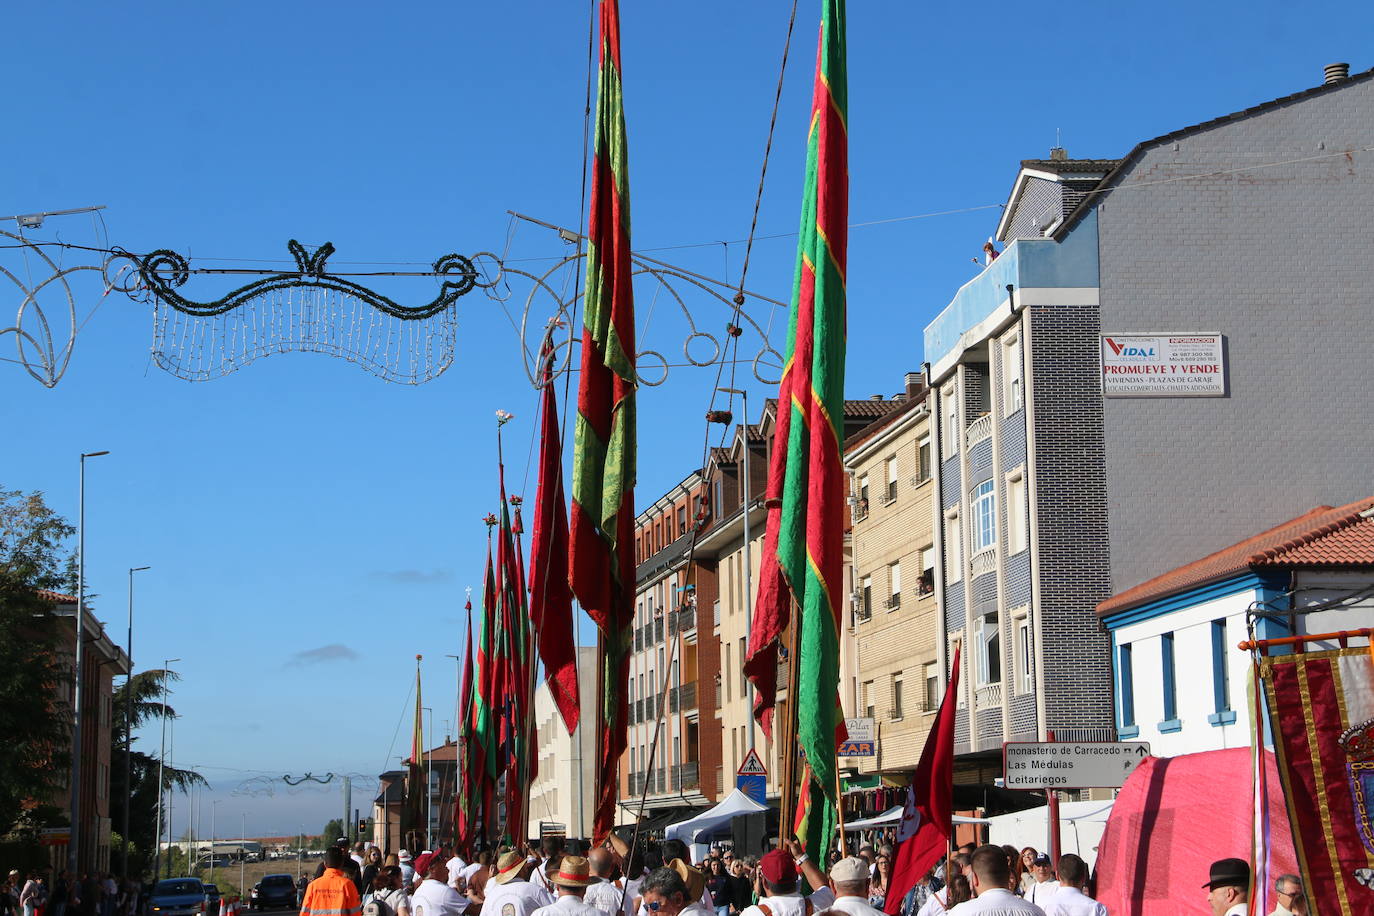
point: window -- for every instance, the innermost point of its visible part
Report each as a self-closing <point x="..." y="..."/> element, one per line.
<point x="725" y="669"/>
<point x="633" y="757"/>
<point x="866" y="597"/>
<point x="1126" y="687"/>
<point x="961" y="698"/>
<point x="1016" y="513"/>
<point x="1221" y="678"/>
<point x="863" y="497"/>
<point x="1025" y="651"/>
<point x="932" y="684"/>
<point x="894" y="581"/>
<point x="984" y="516"/>
<point x="923" y="459"/>
<point x="719" y="504"/>
<point x="926" y="584"/>
<point x="890" y="494"/>
<point x="1012" y="394"/>
<point x="896" y="696"/>
<point x="989" y="647"/>
<point x="954" y="560"/>
<point x="681" y="519"/>
<point x="743" y="681"/>
<point x="950" y="432"/>
<point x="868" y="699"/>
<point x="677" y="751"/>
<point x="1166" y="657"/>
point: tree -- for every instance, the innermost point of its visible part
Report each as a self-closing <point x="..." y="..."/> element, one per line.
<point x="32" y="557"/>
<point x="143" y="693"/>
<point x="333" y="830"/>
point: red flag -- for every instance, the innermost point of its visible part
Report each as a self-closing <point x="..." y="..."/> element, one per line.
<point x="463" y="802"/>
<point x="550" y="595"/>
<point x="924" y="832"/>
<point x="602" y="517"/>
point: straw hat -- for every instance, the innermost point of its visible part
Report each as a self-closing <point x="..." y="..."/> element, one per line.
<point x="694" y="879"/>
<point x="508" y="867"/>
<point x="573" y="871"/>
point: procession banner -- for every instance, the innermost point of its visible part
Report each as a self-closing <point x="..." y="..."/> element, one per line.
<point x="1321" y="710"/>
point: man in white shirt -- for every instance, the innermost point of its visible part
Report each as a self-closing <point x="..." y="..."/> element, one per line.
<point x="434" y="897"/>
<point x="666" y="892"/>
<point x="455" y="872"/>
<point x="1291" y="900"/>
<point x="571" y="879"/>
<point x="1072" y="898"/>
<point x="1228" y="887"/>
<point x="603" y="894"/>
<point x="1045" y="887"/>
<point x="510" y="892"/>
<point x="991" y="876"/>
<point x="407" y="869"/>
<point x="778" y="895"/>
<point x="849" y="878"/>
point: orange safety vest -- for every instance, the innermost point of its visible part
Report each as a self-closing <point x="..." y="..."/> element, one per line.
<point x="331" y="894"/>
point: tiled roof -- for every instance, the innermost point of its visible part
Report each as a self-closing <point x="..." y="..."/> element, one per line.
<point x="1325" y="536"/>
<point x="56" y="597"/>
<point x="870" y="408"/>
<point x="1139" y="149"/>
<point x="868" y="432"/>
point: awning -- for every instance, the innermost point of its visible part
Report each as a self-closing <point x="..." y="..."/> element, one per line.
<point x="893" y="815"/>
<point x="708" y="824"/>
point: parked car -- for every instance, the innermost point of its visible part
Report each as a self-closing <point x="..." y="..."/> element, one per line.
<point x="211" y="900"/>
<point x="273" y="892"/>
<point x="177" y="897"/>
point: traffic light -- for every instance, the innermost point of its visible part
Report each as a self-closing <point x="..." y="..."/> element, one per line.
<point x="362" y="826"/>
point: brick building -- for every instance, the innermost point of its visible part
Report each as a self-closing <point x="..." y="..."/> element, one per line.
<point x="1060" y="485"/>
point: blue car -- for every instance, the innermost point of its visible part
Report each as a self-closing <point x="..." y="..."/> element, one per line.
<point x="177" y="897"/>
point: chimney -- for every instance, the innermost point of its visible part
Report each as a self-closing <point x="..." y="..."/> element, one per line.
<point x="1059" y="154"/>
<point x="915" y="384"/>
<point x="1336" y="72"/>
<point x="875" y="397"/>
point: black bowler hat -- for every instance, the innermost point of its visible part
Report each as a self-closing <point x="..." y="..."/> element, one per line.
<point x="1229" y="873"/>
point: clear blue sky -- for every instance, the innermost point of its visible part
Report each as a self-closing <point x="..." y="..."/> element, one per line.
<point x="302" y="504"/>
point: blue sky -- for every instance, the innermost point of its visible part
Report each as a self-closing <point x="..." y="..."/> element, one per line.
<point x="311" y="528"/>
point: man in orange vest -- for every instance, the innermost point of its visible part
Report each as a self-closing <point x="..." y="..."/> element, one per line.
<point x="332" y="893"/>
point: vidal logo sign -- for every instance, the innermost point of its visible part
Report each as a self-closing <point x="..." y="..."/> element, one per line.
<point x="1126" y="350"/>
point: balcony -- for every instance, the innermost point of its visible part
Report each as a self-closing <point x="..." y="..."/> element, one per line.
<point x="859" y="509"/>
<point x="983" y="302"/>
<point x="639" y="639"/>
<point x="989" y="696"/>
<point x="978" y="430"/>
<point x="893" y="601"/>
<point x="658" y="630"/>
<point x="685" y="777"/>
<point x="688" y="693"/>
<point x="984" y="561"/>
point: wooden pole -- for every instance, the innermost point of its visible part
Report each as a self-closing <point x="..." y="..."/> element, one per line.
<point x="788" y="740"/>
<point x="839" y="810"/>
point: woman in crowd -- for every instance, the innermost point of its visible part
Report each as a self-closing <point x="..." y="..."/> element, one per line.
<point x="882" y="880"/>
<point x="719" y="885"/>
<point x="34" y="895"/>
<point x="372" y="866"/>
<point x="1025" y="880"/>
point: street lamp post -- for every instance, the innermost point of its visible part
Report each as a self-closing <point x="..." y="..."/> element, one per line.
<point x="161" y="762"/>
<point x="128" y="722"/>
<point x="429" y="779"/>
<point x="748" y="566"/>
<point x="74" y="841"/>
<point x="212" y="839"/>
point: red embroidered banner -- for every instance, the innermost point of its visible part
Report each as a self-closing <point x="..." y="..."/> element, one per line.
<point x="1321" y="707"/>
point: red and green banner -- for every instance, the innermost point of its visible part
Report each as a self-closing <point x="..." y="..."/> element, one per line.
<point x="486" y="687"/>
<point x="601" y="553"/>
<point x="550" y="595"/>
<point x="464" y="830"/>
<point x="516" y="720"/>
<point x="804" y="544"/>
<point x="415" y="827"/>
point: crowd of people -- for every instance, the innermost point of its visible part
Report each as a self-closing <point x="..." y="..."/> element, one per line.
<point x="563" y="878"/>
<point x="37" y="893"/>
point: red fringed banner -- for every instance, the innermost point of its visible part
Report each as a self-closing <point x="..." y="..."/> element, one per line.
<point x="1321" y="707"/>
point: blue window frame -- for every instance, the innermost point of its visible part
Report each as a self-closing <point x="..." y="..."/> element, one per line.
<point x="1126" y="689"/>
<point x="1166" y="653"/>
<point x="984" y="516"/>
<point x="1221" y="677"/>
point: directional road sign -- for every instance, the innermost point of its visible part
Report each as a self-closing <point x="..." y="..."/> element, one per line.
<point x="753" y="786"/>
<point x="1068" y="765"/>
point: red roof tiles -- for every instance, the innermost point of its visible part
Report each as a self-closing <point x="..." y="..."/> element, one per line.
<point x="1342" y="536"/>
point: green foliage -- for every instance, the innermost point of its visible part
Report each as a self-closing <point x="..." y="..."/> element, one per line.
<point x="34" y="765"/>
<point x="332" y="831"/>
<point x="144" y="691"/>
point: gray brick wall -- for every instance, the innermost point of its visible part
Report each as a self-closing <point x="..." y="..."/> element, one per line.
<point x="1018" y="582"/>
<point x="1276" y="258"/>
<point x="961" y="731"/>
<point x="1023" y="718"/>
<point x="989" y="729"/>
<point x="1071" y="502"/>
<point x="954" y="607"/>
<point x="950" y="483"/>
<point x="975" y="391"/>
<point x="979" y="463"/>
<point x="985" y="589"/>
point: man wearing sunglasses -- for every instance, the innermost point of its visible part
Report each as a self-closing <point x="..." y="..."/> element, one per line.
<point x="666" y="892"/>
<point x="1291" y="900"/>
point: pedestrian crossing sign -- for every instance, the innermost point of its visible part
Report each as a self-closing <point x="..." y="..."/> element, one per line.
<point x="752" y="765"/>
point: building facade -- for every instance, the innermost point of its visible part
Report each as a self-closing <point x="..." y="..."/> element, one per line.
<point x="894" y="676"/>
<point x="1074" y="460"/>
<point x="1181" y="678"/>
<point x="563" y="794"/>
<point x="102" y="661"/>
